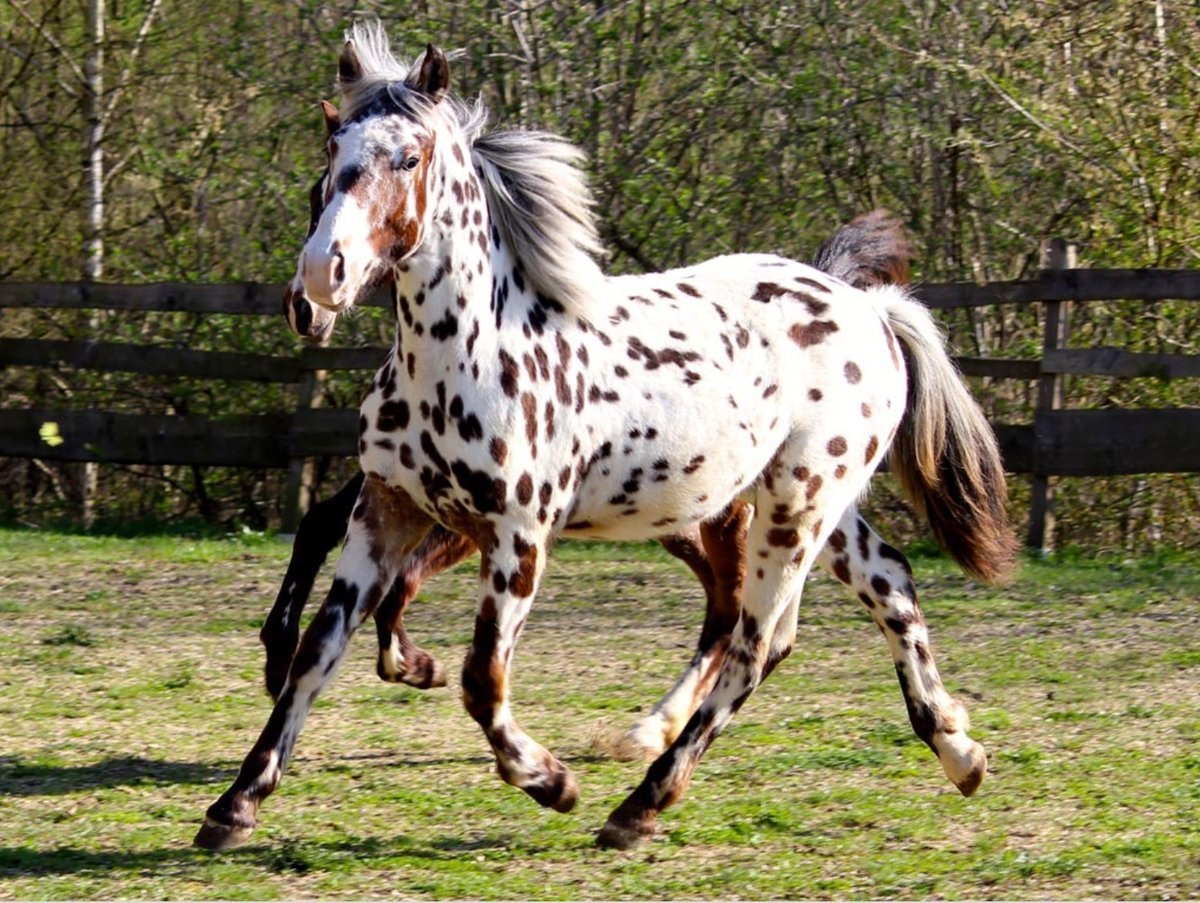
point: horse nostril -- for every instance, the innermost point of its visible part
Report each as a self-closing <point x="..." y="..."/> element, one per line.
<point x="339" y="269"/>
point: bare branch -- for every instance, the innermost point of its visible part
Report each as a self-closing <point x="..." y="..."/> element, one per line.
<point x="51" y="40"/>
<point x="127" y="73"/>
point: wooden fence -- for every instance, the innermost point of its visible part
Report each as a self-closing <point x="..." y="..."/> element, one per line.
<point x="1059" y="441"/>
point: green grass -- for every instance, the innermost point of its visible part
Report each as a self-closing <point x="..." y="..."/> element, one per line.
<point x="130" y="689"/>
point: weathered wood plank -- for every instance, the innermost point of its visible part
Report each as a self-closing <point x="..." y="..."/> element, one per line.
<point x="1068" y="285"/>
<point x="1109" y="443"/>
<point x="1016" y="446"/>
<point x="116" y="357"/>
<point x="368" y="358"/>
<point x="324" y="431"/>
<point x="263" y="299"/>
<point x="998" y="368"/>
<point x="1066" y="443"/>
<point x="249" y="441"/>
<point x="252" y="298"/>
<point x="1107" y="361"/>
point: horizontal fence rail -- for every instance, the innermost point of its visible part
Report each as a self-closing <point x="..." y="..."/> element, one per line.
<point x="1059" y="443"/>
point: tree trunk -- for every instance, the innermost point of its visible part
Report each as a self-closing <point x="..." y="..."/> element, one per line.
<point x="93" y="230"/>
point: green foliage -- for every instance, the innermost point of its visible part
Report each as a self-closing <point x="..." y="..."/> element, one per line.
<point x="711" y="128"/>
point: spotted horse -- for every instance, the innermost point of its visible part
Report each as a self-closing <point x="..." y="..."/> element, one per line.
<point x="870" y="250"/>
<point x="517" y="363"/>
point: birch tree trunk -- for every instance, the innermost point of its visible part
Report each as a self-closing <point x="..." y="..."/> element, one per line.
<point x="93" y="230"/>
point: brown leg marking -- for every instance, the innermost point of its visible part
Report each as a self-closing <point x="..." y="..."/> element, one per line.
<point x="762" y="635"/>
<point x="716" y="554"/>
<point x="511" y="569"/>
<point x="400" y="659"/>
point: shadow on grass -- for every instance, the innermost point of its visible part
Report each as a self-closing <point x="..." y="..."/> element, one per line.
<point x="276" y="856"/>
<point x="18" y="778"/>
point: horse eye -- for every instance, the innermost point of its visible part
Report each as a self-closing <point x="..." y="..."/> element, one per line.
<point x="409" y="163"/>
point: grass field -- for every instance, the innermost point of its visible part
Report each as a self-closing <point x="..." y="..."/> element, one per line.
<point x="130" y="689"/>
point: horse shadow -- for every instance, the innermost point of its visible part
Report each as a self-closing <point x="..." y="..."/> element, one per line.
<point x="22" y="778"/>
<point x="281" y="856"/>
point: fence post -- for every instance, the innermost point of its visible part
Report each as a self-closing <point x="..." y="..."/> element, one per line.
<point x="1057" y="254"/>
<point x="298" y="489"/>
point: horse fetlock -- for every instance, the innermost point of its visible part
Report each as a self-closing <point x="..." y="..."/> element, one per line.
<point x="963" y="759"/>
<point x="390" y="666"/>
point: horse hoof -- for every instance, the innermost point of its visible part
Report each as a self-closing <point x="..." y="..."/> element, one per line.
<point x="618" y="837"/>
<point x="965" y="767"/>
<point x="970" y="782"/>
<point x="213" y="836"/>
<point x="559" y="792"/>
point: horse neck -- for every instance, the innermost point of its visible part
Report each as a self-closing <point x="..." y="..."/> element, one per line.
<point x="455" y="297"/>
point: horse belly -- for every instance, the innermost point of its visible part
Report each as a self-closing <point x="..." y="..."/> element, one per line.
<point x="632" y="495"/>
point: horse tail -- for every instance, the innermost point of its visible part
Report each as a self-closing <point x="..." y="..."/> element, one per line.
<point x="868" y="251"/>
<point x="945" y="453"/>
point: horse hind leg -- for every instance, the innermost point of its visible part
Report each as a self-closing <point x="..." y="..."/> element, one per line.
<point x="716" y="554"/>
<point x="782" y="548"/>
<point x="384" y="526"/>
<point x="882" y="579"/>
<point x="322" y="528"/>
<point x="400" y="659"/>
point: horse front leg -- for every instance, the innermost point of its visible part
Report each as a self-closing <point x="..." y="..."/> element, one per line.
<point x="384" y="526"/>
<point x="511" y="571"/>
<point x="400" y="659"/>
<point x="322" y="528"/>
<point x="882" y="579"/>
<point x="716" y="554"/>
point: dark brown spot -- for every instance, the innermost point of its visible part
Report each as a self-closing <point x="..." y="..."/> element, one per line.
<point x="837" y="540"/>
<point x="813" y="333"/>
<point x="510" y="374"/>
<point x="872" y="447"/>
<point x="837" y="446"/>
<point x="841" y="570"/>
<point x="783" y="538"/>
<point x="499" y="449"/>
<point x="853" y="373"/>
<point x="525" y="489"/>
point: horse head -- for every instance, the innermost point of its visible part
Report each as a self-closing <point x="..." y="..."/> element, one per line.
<point x="374" y="212"/>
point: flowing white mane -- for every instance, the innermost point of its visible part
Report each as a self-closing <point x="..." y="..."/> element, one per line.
<point x="536" y="188"/>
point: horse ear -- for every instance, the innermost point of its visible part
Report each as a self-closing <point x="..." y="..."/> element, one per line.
<point x="349" y="66"/>
<point x="332" y="123"/>
<point x="433" y="79"/>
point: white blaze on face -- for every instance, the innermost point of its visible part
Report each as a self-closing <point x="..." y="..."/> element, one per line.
<point x="373" y="210"/>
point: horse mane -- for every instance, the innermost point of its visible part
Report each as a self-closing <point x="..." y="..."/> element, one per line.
<point x="540" y="203"/>
<point x="536" y="188"/>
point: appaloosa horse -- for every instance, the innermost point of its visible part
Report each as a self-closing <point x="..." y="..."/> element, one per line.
<point x="528" y="396"/>
<point x="869" y="251"/>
